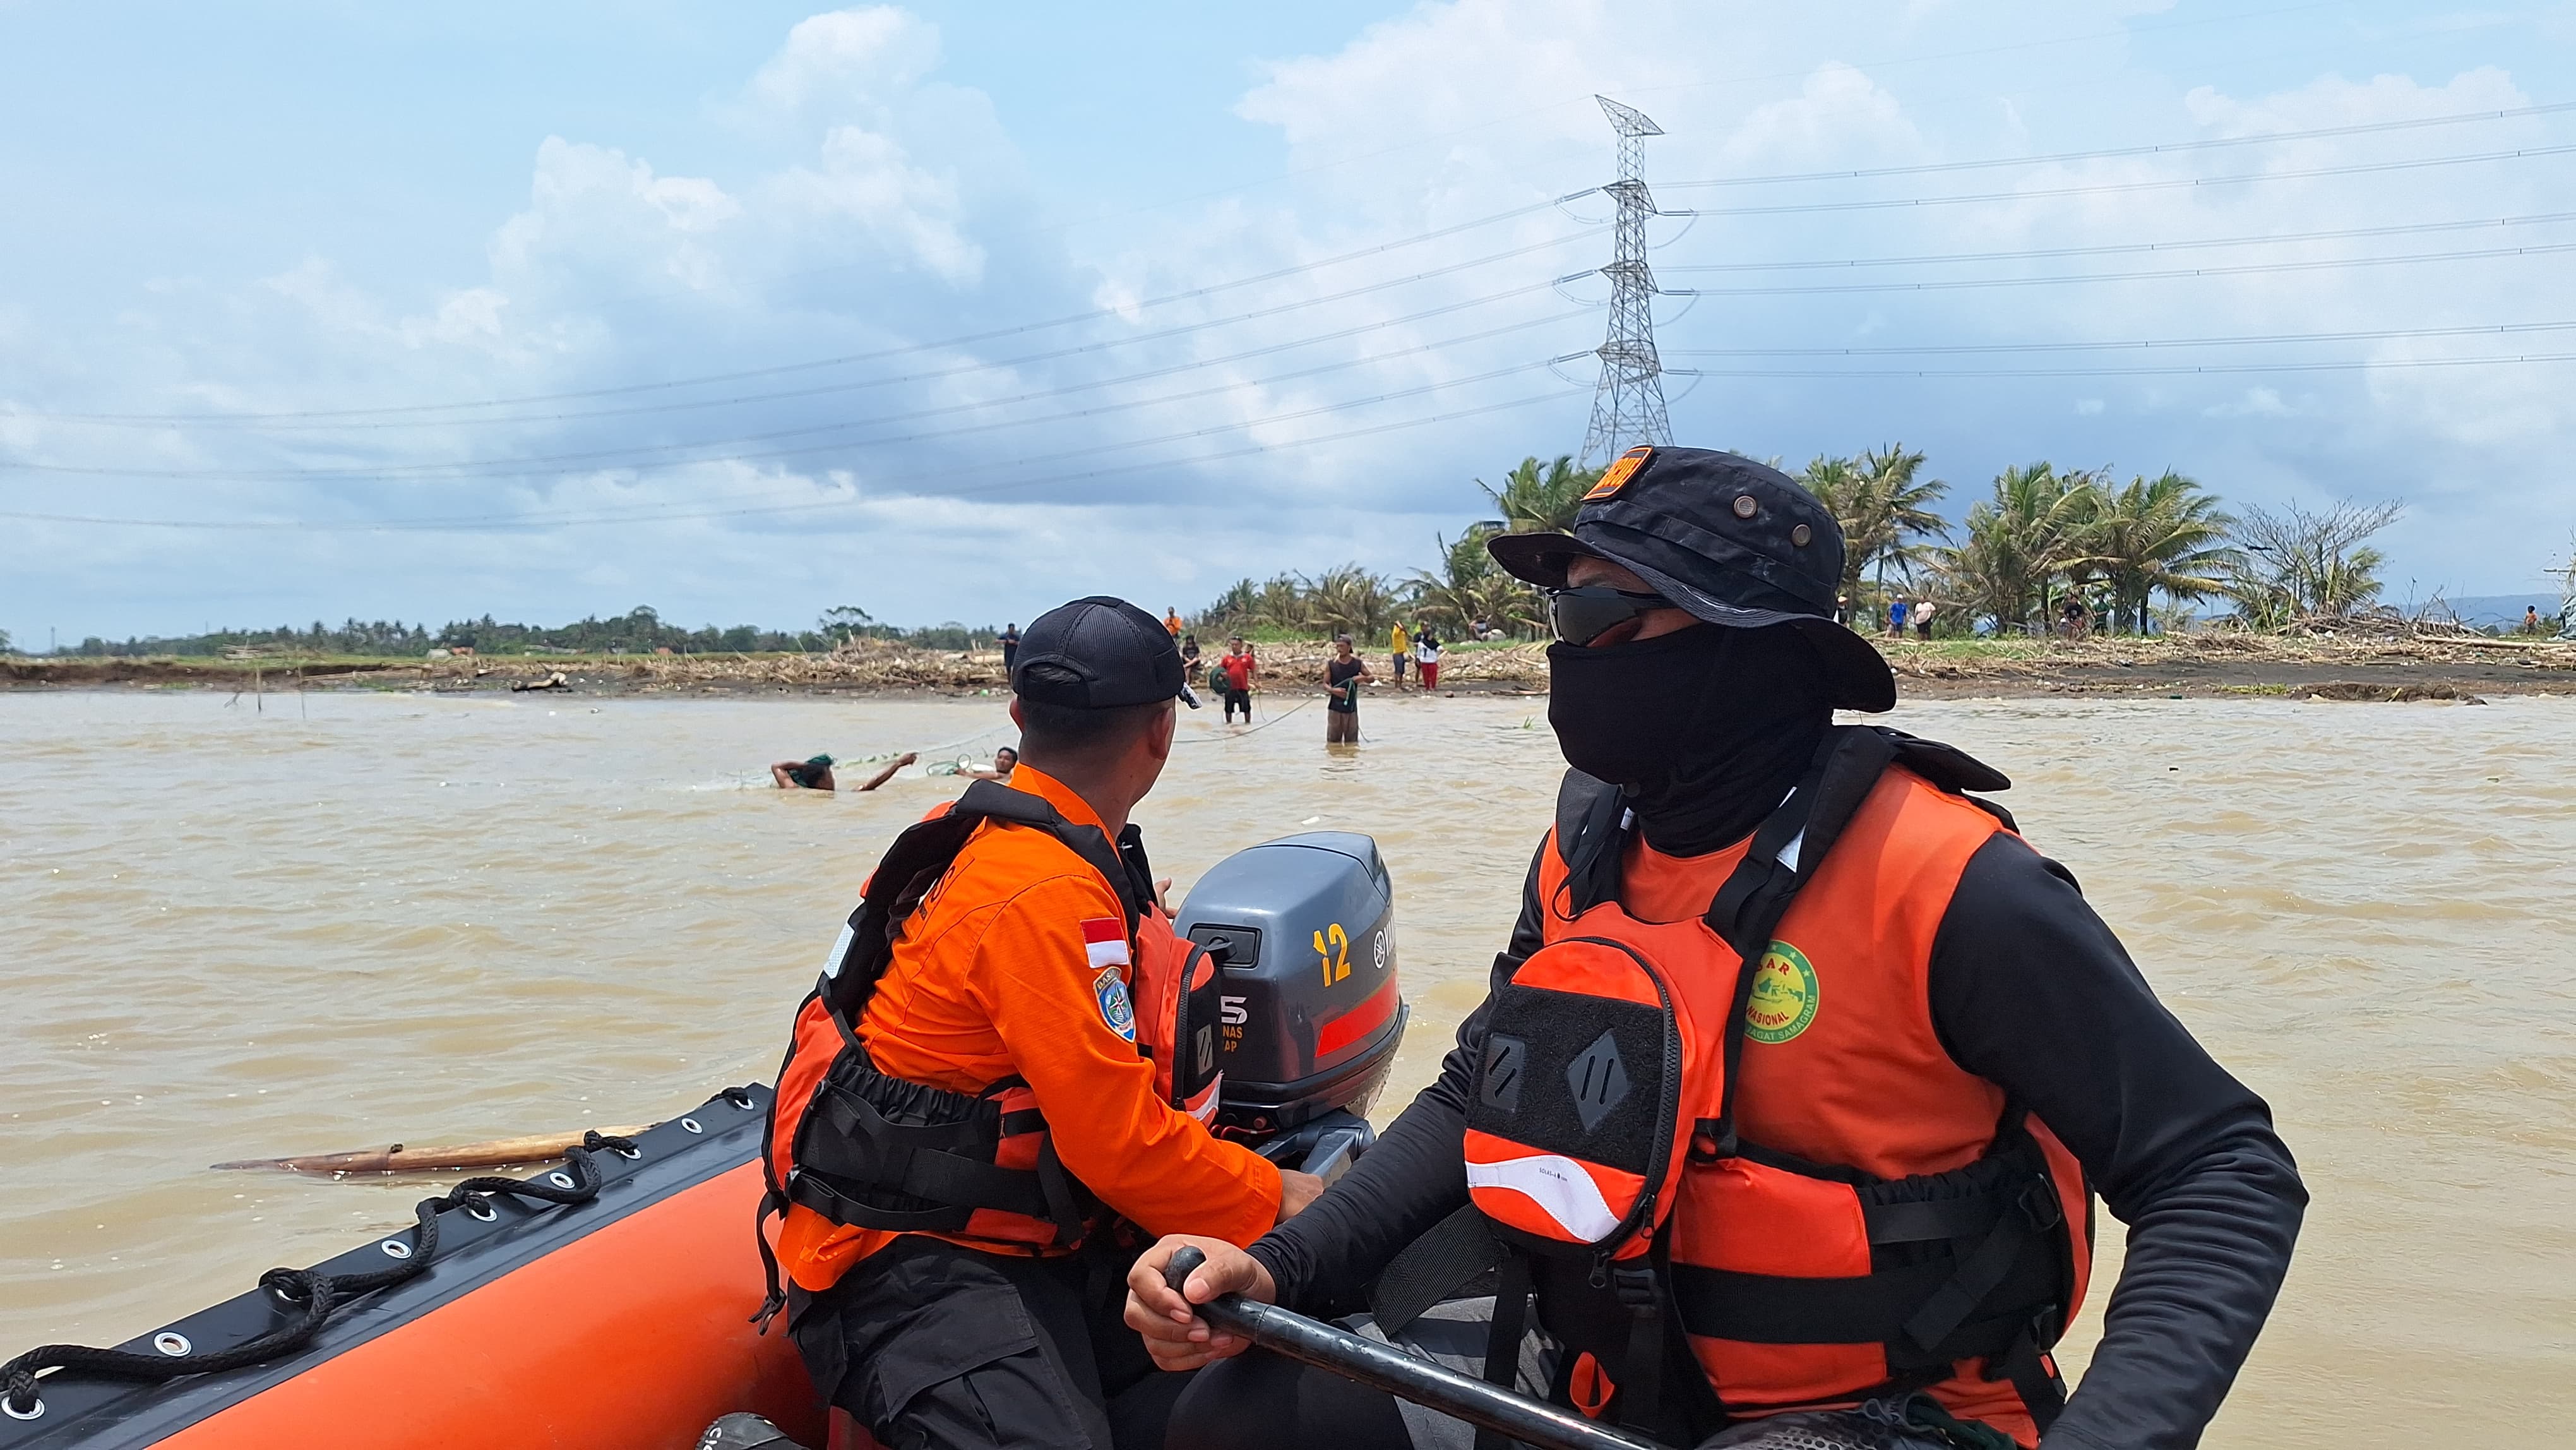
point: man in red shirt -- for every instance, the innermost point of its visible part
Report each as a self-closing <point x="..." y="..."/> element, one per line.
<point x="1235" y="673"/>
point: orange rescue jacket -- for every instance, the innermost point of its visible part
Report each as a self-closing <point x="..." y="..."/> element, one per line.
<point x="1802" y="1183"/>
<point x="1007" y="1036"/>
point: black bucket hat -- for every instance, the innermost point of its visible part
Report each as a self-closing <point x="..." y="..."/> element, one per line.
<point x="1733" y="541"/>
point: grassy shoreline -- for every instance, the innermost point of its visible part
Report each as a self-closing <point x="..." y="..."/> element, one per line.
<point x="2204" y="665"/>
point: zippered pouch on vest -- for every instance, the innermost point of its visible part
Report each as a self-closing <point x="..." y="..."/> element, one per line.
<point x="1591" y="1079"/>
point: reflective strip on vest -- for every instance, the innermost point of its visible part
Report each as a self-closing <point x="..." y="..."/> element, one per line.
<point x="1560" y="1188"/>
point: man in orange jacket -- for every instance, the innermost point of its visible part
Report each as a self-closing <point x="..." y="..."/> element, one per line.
<point x="951" y="1284"/>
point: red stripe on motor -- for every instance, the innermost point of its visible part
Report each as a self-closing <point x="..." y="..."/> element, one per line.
<point x="1357" y="1023"/>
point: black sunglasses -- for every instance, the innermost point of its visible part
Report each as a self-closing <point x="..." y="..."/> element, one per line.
<point x="1580" y="616"/>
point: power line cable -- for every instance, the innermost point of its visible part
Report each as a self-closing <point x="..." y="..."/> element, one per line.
<point x="2165" y="184"/>
<point x="2249" y="340"/>
<point x="661" y="408"/>
<point x="2114" y="152"/>
<point x="292" y="476"/>
<point x="2123" y="248"/>
<point x="2246" y="269"/>
<point x="906" y="349"/>
<point x="2178" y="369"/>
<point x="645" y="455"/>
<point x="1935" y="57"/>
<point x="489" y="522"/>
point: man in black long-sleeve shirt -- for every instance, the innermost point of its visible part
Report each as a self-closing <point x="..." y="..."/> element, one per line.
<point x="2027" y="989"/>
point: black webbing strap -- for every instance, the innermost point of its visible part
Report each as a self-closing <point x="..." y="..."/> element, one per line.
<point x="2034" y="1377"/>
<point x="773" y="1203"/>
<point x="1503" y="1341"/>
<point x="808" y="1190"/>
<point x="1588" y="815"/>
<point x="1432" y="1267"/>
<point x="2032" y="1210"/>
<point x="1758" y="892"/>
<point x="1640" y="1387"/>
<point x="1063" y="1201"/>
<point x="1790" y="1309"/>
<point x="1931" y="1220"/>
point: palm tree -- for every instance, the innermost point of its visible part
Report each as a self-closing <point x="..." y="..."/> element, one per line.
<point x="2019" y="541"/>
<point x="1536" y="500"/>
<point x="1349" y="600"/>
<point x="1470" y="587"/>
<point x="1882" y="507"/>
<point x="2166" y="534"/>
<point x="2300" y="562"/>
<point x="1902" y="507"/>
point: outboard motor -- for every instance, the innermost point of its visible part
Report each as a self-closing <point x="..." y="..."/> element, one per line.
<point x="1303" y="933"/>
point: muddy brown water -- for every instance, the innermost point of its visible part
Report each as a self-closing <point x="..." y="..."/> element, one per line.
<point x="233" y="934"/>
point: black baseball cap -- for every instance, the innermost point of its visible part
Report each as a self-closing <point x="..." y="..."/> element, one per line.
<point x="1733" y="541"/>
<point x="1102" y="653"/>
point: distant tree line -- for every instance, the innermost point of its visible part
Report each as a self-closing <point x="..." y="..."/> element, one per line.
<point x="638" y="631"/>
<point x="2135" y="555"/>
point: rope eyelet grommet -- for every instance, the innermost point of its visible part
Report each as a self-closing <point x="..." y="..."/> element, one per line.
<point x="561" y="1180"/>
<point x="480" y="1208"/>
<point x="692" y="1125"/>
<point x="629" y="1153"/>
<point x="172" y="1343"/>
<point x="278" y="1290"/>
<point x="34" y="1411"/>
<point x="395" y="1249"/>
<point x="738" y="1098"/>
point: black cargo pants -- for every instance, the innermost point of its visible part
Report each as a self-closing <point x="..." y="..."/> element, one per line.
<point x="937" y="1347"/>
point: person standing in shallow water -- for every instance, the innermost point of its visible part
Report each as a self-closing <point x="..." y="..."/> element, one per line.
<point x="1940" y="1049"/>
<point x="1344" y="673"/>
<point x="1233" y="678"/>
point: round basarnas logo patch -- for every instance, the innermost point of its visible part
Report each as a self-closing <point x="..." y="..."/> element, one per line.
<point x="1115" y="1007"/>
<point x="1783" y="1002"/>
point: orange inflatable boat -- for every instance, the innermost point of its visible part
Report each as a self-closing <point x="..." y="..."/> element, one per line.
<point x="605" y="1305"/>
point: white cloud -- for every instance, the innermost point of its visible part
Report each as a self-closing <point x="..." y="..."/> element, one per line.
<point x="848" y="201"/>
<point x="847" y="57"/>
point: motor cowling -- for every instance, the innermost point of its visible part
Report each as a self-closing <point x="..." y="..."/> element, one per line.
<point x="1310" y="1015"/>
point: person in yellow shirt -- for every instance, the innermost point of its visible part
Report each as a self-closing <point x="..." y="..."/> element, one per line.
<point x="966" y="1106"/>
<point x="1400" y="646"/>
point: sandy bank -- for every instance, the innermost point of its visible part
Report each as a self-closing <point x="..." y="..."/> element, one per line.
<point x="2336" y="667"/>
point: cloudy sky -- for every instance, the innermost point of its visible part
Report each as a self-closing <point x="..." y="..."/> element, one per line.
<point x="952" y="311"/>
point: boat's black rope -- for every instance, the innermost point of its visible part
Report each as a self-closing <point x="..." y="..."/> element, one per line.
<point x="310" y="1291"/>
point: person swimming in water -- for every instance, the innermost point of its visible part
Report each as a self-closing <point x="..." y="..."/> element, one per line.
<point x="1004" y="760"/>
<point x="816" y="773"/>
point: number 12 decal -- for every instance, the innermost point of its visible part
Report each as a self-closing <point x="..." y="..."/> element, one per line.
<point x="1334" y="945"/>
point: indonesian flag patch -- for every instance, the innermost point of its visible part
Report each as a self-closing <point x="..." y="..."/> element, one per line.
<point x="1105" y="938"/>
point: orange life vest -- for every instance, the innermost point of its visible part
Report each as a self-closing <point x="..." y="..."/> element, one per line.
<point x="859" y="1147"/>
<point x="1837" y="1209"/>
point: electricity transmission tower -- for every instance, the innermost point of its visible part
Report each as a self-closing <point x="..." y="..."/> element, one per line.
<point x="1628" y="406"/>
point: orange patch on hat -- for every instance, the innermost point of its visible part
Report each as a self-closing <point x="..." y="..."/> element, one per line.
<point x="1620" y="471"/>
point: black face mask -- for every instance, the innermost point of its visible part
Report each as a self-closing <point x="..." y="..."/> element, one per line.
<point x="1707" y="728"/>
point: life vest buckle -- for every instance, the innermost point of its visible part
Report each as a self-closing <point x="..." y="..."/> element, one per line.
<point x="2038" y="1204"/>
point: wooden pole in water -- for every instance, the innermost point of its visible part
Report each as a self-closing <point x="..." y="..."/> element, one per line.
<point x="491" y="1153"/>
